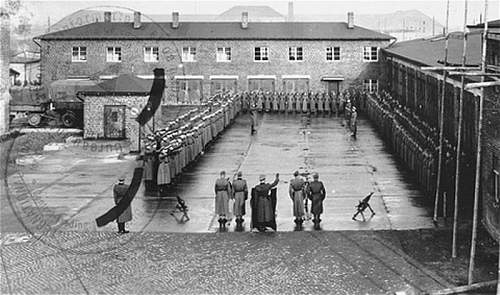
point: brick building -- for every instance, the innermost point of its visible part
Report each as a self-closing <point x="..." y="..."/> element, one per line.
<point x="110" y="108"/>
<point x="420" y="92"/>
<point x="201" y="58"/>
<point x="490" y="164"/>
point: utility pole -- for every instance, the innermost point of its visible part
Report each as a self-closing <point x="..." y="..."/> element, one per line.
<point x="477" y="183"/>
<point x="459" y="141"/>
<point x="441" y="118"/>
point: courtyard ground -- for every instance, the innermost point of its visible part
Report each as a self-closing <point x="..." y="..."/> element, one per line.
<point x="50" y="243"/>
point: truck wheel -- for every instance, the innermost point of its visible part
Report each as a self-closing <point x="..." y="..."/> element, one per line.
<point x="69" y="119"/>
<point x="34" y="119"/>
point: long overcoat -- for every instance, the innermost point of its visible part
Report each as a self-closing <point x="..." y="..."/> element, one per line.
<point x="119" y="192"/>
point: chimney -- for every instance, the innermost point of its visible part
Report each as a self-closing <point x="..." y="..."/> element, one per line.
<point x="175" y="20"/>
<point x="137" y="19"/>
<point x="107" y="16"/>
<point x="244" y="20"/>
<point x="350" y="20"/>
<point x="290" y="11"/>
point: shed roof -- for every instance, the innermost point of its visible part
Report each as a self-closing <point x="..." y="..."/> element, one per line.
<point x="431" y="51"/>
<point x="125" y="83"/>
<point x="217" y="31"/>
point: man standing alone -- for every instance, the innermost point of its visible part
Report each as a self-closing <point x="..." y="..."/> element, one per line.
<point x="119" y="191"/>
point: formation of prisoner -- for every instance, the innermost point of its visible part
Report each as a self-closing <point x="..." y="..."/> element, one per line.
<point x="168" y="151"/>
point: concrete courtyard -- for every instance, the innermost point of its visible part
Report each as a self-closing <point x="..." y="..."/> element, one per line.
<point x="49" y="232"/>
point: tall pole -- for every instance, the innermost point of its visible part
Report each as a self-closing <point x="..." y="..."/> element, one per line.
<point x="441" y="117"/>
<point x="459" y="141"/>
<point x="478" y="154"/>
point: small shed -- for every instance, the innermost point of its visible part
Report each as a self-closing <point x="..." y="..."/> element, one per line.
<point x="111" y="107"/>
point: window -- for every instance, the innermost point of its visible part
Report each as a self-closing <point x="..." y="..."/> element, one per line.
<point x="261" y="84"/>
<point x="371" y="85"/>
<point x="189" y="91"/>
<point x="223" y="54"/>
<point x="222" y="85"/>
<point x="114" y="54"/>
<point x="261" y="54"/>
<point x="296" y="85"/>
<point x="188" y="54"/>
<point x="151" y="54"/>
<point x="79" y="54"/>
<point x="332" y="53"/>
<point x="370" y="53"/>
<point x="295" y="54"/>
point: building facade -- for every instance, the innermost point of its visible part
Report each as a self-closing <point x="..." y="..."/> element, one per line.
<point x="202" y="58"/>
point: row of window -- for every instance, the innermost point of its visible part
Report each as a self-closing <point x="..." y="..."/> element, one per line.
<point x="191" y="90"/>
<point x="223" y="54"/>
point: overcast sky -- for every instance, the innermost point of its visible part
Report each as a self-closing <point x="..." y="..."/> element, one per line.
<point x="41" y="9"/>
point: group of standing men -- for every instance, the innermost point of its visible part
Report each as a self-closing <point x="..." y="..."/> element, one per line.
<point x="304" y="102"/>
<point x="264" y="199"/>
<point x="169" y="150"/>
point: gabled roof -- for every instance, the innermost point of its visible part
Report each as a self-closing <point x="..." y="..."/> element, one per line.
<point x="217" y="31"/>
<point x="430" y="52"/>
<point x="126" y="83"/>
<point x="254" y="13"/>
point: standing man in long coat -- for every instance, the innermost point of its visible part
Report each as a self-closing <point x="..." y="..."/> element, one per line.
<point x="316" y="192"/>
<point x="222" y="193"/>
<point x="263" y="204"/>
<point x="119" y="191"/>
<point x="296" y="191"/>
<point x="240" y="190"/>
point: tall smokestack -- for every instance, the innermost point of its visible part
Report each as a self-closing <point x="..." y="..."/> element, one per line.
<point x="137" y="19"/>
<point x="350" y="20"/>
<point x="107" y="16"/>
<point x="244" y="20"/>
<point x="175" y="20"/>
<point x="290" y="11"/>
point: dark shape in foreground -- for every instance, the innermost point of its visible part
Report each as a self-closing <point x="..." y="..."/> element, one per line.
<point x="155" y="97"/>
<point x="124" y="203"/>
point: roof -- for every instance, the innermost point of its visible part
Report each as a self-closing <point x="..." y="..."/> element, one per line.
<point x="491" y="24"/>
<point x="13" y="72"/>
<point x="430" y="52"/>
<point x="254" y="12"/>
<point x="217" y="31"/>
<point x="126" y="83"/>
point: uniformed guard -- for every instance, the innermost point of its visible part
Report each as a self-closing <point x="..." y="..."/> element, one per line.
<point x="298" y="102"/>
<point x="119" y="192"/>
<point x="296" y="191"/>
<point x="240" y="190"/>
<point x="275" y="103"/>
<point x="260" y="101"/>
<point x="305" y="102"/>
<point x="316" y="192"/>
<point x="354" y="123"/>
<point x="222" y="193"/>
<point x="312" y="102"/>
<point x="282" y="102"/>
<point x="290" y="101"/>
<point x="267" y="101"/>
<point x="163" y="172"/>
<point x="321" y="102"/>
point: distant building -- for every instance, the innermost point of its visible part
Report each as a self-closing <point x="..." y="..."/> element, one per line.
<point x="202" y="58"/>
<point x="27" y="64"/>
<point x="261" y="13"/>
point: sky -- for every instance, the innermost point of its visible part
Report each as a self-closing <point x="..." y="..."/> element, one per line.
<point x="42" y="9"/>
